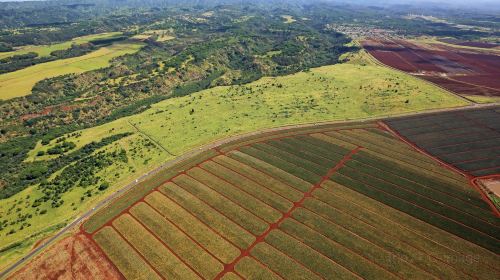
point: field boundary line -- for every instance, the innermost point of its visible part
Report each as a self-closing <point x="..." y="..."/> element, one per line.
<point x="422" y="207"/>
<point x="404" y="226"/>
<point x="242" y="190"/>
<point x="166" y="246"/>
<point x="449" y="166"/>
<point x="260" y="238"/>
<point x="367" y="224"/>
<point x="150" y="138"/>
<point x="439" y="161"/>
<point x="382" y="153"/>
<point x="183" y="231"/>
<point x="137" y="252"/>
<point x="421" y="184"/>
<point x="416" y="194"/>
<point x="405" y="151"/>
<point x="96" y="245"/>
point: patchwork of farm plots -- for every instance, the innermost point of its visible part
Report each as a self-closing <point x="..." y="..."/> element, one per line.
<point x="328" y="202"/>
<point x="466" y="71"/>
<point x="467" y="139"/>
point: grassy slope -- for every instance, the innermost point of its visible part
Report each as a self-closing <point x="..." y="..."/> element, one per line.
<point x="138" y="164"/>
<point x="20" y="83"/>
<point x="323" y="94"/>
<point x="45" y="50"/>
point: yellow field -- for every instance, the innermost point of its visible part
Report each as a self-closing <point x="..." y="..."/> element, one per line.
<point x="45" y="50"/>
<point x="20" y="83"/>
<point x="288" y="19"/>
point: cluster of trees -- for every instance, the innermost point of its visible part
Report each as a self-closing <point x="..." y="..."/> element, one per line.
<point x="83" y="173"/>
<point x="19" y="174"/>
<point x="17" y="62"/>
<point x="222" y="50"/>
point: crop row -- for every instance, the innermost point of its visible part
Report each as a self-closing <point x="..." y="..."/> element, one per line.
<point x="140" y="190"/>
<point x="412" y="240"/>
<point x="405" y="159"/>
<point x="467" y="139"/>
<point x="429" y="191"/>
<point x="474" y="231"/>
<point x="290" y="133"/>
<point x="486" y="223"/>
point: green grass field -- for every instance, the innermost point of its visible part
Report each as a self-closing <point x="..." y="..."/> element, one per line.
<point x="45" y="50"/>
<point x="341" y="226"/>
<point x="322" y="94"/>
<point x="20" y="83"/>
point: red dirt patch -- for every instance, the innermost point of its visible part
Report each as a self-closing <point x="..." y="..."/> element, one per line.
<point x="74" y="257"/>
<point x="492" y="184"/>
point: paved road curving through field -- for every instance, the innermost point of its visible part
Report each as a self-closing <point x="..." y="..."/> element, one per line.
<point x="193" y="152"/>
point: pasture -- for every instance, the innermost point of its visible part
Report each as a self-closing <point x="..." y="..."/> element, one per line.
<point x="323" y="94"/>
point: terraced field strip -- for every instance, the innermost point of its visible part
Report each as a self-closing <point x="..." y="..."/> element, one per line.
<point x="230" y="267"/>
<point x="408" y="238"/>
<point x="290" y="133"/>
<point x="466" y="139"/>
<point x="440" y="214"/>
<point x="309" y="206"/>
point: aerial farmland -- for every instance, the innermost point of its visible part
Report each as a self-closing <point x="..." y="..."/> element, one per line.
<point x="350" y="200"/>
<point x="270" y="139"/>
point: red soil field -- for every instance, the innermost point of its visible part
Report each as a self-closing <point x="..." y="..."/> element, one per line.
<point x="471" y="44"/>
<point x="463" y="71"/>
<point x="75" y="257"/>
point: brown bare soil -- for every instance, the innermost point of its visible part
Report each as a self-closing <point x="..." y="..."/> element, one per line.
<point x="492" y="184"/>
<point x="75" y="257"/>
<point x="463" y="71"/>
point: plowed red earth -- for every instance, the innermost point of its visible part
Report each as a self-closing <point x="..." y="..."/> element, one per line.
<point x="75" y="257"/>
<point x="463" y="71"/>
